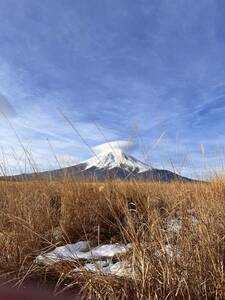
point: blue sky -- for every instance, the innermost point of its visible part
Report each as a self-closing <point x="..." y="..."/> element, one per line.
<point x="150" y="70"/>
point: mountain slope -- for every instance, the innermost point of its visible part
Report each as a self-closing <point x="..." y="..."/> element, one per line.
<point x="116" y="159"/>
<point x="107" y="165"/>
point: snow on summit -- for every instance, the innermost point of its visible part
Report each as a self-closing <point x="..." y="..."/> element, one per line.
<point x="111" y="155"/>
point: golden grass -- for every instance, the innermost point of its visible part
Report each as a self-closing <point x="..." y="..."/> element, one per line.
<point x="114" y="211"/>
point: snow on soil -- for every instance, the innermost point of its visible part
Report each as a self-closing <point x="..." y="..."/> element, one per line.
<point x="100" y="259"/>
<point x="81" y="250"/>
<point x="174" y="225"/>
<point x="120" y="268"/>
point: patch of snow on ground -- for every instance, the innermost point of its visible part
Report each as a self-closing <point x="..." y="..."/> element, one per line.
<point x="67" y="252"/>
<point x="81" y="250"/>
<point x="120" y="268"/>
<point x="169" y="250"/>
<point x="174" y="225"/>
<point x="109" y="250"/>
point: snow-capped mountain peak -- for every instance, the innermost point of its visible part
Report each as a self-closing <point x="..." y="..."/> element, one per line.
<point x="116" y="158"/>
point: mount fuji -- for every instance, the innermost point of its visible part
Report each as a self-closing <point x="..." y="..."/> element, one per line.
<point x="108" y="164"/>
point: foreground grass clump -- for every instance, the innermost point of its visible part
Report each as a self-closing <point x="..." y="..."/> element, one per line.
<point x="177" y="232"/>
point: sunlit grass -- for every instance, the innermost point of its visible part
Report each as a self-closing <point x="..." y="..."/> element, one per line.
<point x="125" y="212"/>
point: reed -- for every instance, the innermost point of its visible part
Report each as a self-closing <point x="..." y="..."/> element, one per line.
<point x="165" y="263"/>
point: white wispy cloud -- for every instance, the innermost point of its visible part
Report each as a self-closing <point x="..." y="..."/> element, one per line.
<point x="38" y="120"/>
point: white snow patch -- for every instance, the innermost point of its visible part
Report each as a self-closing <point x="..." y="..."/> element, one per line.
<point x="109" y="250"/>
<point x="170" y="250"/>
<point x="120" y="268"/>
<point x="174" y="225"/>
<point x="67" y="252"/>
<point x="81" y="250"/>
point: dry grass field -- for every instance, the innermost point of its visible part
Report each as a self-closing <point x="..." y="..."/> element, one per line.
<point x="176" y="234"/>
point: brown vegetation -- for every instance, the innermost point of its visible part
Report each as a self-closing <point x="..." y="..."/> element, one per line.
<point x="126" y="212"/>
